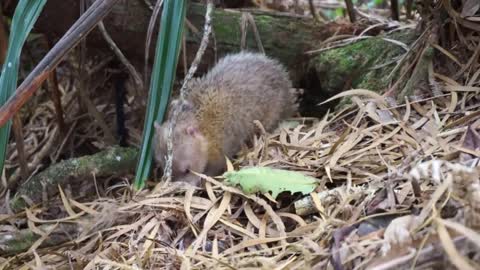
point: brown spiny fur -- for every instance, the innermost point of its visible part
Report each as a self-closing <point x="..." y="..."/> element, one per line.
<point x="219" y="111"/>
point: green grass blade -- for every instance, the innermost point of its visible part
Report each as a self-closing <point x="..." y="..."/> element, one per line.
<point x="26" y="14"/>
<point x="163" y="76"/>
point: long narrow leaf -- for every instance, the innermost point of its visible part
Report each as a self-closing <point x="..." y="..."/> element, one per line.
<point x="163" y="75"/>
<point x="26" y="14"/>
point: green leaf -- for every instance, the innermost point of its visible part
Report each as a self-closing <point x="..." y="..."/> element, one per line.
<point x="339" y="12"/>
<point x="264" y="179"/>
<point x="25" y="16"/>
<point x="163" y="76"/>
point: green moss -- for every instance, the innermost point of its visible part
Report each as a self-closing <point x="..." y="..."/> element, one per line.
<point x="17" y="242"/>
<point x="362" y="64"/>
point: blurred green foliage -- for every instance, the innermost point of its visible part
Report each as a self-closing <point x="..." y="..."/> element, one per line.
<point x="163" y="77"/>
<point x="25" y="16"/>
<point x="333" y="14"/>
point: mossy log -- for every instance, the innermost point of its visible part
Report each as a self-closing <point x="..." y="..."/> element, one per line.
<point x="113" y="161"/>
<point x="365" y="63"/>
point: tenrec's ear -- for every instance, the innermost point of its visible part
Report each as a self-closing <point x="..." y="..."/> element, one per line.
<point x="192" y="131"/>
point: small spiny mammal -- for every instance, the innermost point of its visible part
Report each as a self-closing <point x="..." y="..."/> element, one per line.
<point x="218" y="114"/>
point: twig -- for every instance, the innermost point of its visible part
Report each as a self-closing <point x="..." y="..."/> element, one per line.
<point x="82" y="71"/>
<point x="184" y="56"/>
<point x="417" y="45"/>
<point x="52" y="84"/>
<point x="243" y="31"/>
<point x="215" y="50"/>
<point x="247" y="19"/>
<point x="167" y="174"/>
<point x="395" y="10"/>
<point x="96" y="115"/>
<point x="148" y="4"/>
<point x="350" y="10"/>
<point x="201" y="49"/>
<point x="46" y="149"/>
<point x="348" y="41"/>
<point x="409" y="5"/>
<point x="148" y="41"/>
<point x="83" y="95"/>
<point x="314" y="13"/>
<point x="131" y="69"/>
<point x="18" y="132"/>
<point x="251" y="20"/>
<point x="64" y="141"/>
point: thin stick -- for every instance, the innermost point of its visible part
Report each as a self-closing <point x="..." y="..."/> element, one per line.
<point x="409" y="5"/>
<point x="395" y="10"/>
<point x="18" y="132"/>
<point x="248" y="19"/>
<point x="148" y="41"/>
<point x="314" y="13"/>
<point x="201" y="50"/>
<point x="131" y="69"/>
<point x="55" y="95"/>
<point x="350" y="10"/>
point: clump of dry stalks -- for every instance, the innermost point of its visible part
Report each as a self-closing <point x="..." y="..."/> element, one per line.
<point x="373" y="168"/>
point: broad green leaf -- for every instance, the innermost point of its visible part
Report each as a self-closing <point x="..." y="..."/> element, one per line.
<point x="26" y="14"/>
<point x="163" y="76"/>
<point x="264" y="179"/>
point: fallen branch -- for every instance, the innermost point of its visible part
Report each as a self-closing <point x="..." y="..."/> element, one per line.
<point x="113" y="161"/>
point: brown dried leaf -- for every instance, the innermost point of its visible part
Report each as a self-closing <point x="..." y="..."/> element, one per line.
<point x="455" y="257"/>
<point x="470" y="145"/>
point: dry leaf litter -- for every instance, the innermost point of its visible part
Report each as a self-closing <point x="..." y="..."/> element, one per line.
<point x="398" y="189"/>
<point x="396" y="182"/>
